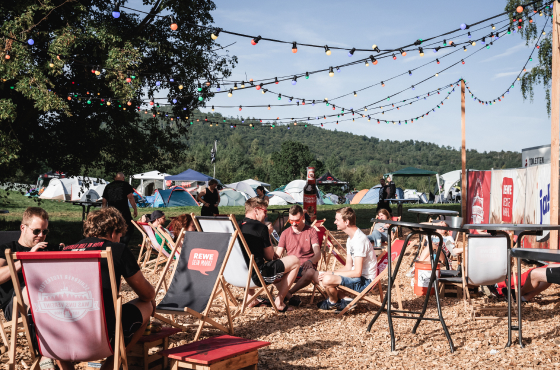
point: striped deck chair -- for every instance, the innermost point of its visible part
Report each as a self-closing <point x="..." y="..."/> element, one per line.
<point x="144" y="247"/>
<point x="162" y="253"/>
<point x="66" y="302"/>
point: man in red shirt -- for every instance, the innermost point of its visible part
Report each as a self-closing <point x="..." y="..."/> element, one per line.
<point x="300" y="240"/>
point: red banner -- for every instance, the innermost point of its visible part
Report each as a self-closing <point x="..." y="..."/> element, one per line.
<point x="478" y="197"/>
<point x="507" y="199"/>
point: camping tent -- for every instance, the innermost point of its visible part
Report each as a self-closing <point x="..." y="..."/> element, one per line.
<point x="413" y="171"/>
<point x="243" y="186"/>
<point x="74" y="188"/>
<point x="450" y="180"/>
<point x="279" y="198"/>
<point x="328" y="179"/>
<point x="371" y="196"/>
<point x="174" y="197"/>
<point x="149" y="181"/>
<point x="58" y="189"/>
<point x="295" y="189"/>
<point x="252" y="183"/>
<point x="231" y="197"/>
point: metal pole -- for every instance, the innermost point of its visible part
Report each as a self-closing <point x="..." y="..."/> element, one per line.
<point x="554" y="129"/>
<point x="463" y="157"/>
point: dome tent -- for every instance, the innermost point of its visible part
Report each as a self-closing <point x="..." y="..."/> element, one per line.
<point x="231" y="197"/>
<point x="173" y="197"/>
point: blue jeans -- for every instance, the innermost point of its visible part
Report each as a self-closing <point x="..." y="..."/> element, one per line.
<point x="356" y="284"/>
<point x="377" y="237"/>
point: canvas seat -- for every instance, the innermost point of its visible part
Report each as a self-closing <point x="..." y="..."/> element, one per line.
<point x="66" y="301"/>
<point x="198" y="279"/>
<point x="237" y="271"/>
<point x="162" y="253"/>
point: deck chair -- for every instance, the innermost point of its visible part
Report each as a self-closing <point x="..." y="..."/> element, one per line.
<point x="5" y="238"/>
<point x="484" y="263"/>
<point x="169" y="261"/>
<point x="144" y="247"/>
<point x="238" y="271"/>
<point x="393" y="235"/>
<point x="332" y="247"/>
<point x="382" y="262"/>
<point x="162" y="254"/>
<point x="66" y="300"/>
<point x="198" y="279"/>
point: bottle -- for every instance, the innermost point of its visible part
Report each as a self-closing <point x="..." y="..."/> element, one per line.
<point x="310" y="194"/>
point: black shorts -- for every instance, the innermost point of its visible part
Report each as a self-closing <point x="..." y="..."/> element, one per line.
<point x="270" y="271"/>
<point x="131" y="322"/>
<point x="553" y="275"/>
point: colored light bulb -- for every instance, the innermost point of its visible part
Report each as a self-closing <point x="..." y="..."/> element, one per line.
<point x="331" y="72"/>
<point x="327" y="50"/>
<point x="294" y="47"/>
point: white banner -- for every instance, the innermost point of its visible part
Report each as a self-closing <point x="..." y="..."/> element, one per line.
<point x="508" y="196"/>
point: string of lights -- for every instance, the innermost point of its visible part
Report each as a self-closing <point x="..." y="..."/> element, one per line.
<point x="517" y="78"/>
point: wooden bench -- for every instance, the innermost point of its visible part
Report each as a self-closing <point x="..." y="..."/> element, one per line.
<point x="222" y="352"/>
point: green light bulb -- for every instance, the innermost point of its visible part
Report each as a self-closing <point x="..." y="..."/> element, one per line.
<point x="200" y="98"/>
<point x="89" y="102"/>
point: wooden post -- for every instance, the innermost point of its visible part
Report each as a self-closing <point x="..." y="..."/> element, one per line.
<point x="463" y="158"/>
<point x="554" y="130"/>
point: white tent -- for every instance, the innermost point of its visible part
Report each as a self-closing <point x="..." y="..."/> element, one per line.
<point x="279" y="198"/>
<point x="295" y="189"/>
<point x="154" y="177"/>
<point x="58" y="189"/>
<point x="252" y="183"/>
<point x="243" y="186"/>
<point x="450" y="179"/>
<point x="75" y="188"/>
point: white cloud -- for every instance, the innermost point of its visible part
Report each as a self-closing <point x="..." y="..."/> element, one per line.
<point x="505" y="74"/>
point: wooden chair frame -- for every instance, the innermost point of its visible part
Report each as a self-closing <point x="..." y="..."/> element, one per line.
<point x="119" y="349"/>
<point x="252" y="267"/>
<point x="220" y="287"/>
<point x="147" y="263"/>
<point x="144" y="246"/>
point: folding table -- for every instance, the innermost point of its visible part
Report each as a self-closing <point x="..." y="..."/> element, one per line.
<point x="417" y="229"/>
<point x="432" y="212"/>
<point x="520" y="253"/>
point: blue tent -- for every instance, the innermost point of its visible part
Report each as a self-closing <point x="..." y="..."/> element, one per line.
<point x="372" y="196"/>
<point x="189" y="175"/>
<point x="174" y="197"/>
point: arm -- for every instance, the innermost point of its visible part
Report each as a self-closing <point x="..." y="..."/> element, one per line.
<point x="132" y="203"/>
<point x="317" y="256"/>
<point x="281" y="245"/>
<point x="5" y="270"/>
<point x="104" y="203"/>
<point x="357" y="272"/>
<point x="269" y="253"/>
<point x="199" y="197"/>
<point x="142" y="287"/>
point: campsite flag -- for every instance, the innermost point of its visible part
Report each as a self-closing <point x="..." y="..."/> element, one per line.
<point x="213" y="151"/>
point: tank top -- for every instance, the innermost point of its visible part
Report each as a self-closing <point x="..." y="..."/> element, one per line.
<point x="211" y="197"/>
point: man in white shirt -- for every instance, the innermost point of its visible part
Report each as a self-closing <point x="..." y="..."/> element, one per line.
<point x="361" y="263"/>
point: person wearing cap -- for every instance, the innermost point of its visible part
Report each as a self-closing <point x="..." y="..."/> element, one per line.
<point x="157" y="218"/>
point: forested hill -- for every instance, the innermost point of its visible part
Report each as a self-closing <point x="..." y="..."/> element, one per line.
<point x="246" y="152"/>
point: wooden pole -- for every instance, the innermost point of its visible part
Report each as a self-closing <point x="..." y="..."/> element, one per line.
<point x="554" y="129"/>
<point x="463" y="158"/>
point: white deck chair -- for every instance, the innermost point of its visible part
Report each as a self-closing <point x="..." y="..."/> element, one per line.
<point x="236" y="273"/>
<point x="162" y="253"/>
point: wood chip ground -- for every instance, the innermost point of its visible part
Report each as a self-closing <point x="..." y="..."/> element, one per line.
<point x="308" y="338"/>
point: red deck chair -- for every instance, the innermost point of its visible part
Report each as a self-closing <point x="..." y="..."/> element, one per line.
<point x="334" y="247"/>
<point x="382" y="262"/>
<point x="66" y="301"/>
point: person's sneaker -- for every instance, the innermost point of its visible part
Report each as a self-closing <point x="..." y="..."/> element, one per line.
<point x="327" y="305"/>
<point x="410" y="273"/>
<point x="343" y="304"/>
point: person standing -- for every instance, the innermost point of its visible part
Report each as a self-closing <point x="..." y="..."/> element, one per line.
<point x="210" y="199"/>
<point x="117" y="195"/>
<point x="383" y="203"/>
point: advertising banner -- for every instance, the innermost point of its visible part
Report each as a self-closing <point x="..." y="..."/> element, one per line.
<point x="508" y="196"/>
<point x="478" y="197"/>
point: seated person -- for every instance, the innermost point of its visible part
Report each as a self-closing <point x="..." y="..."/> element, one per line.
<point x="261" y="193"/>
<point x="540" y="279"/>
<point x="104" y="229"/>
<point x="180" y="222"/>
<point x="361" y="263"/>
<point x="379" y="234"/>
<point x="446" y="249"/>
<point x="157" y="218"/>
<point x="301" y="241"/>
<point x="34" y="229"/>
<point x="273" y="269"/>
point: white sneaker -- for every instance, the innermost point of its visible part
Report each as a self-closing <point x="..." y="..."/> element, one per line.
<point x="410" y="273"/>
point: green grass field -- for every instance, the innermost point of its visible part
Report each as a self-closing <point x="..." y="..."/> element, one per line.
<point x="66" y="227"/>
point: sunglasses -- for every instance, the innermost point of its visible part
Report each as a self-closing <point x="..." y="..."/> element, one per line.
<point x="296" y="222"/>
<point x="36" y="232"/>
<point x="263" y="209"/>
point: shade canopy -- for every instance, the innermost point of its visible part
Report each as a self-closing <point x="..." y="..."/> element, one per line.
<point x="152" y="175"/>
<point x="412" y="171"/>
<point x="189" y="175"/>
<point x="328" y="179"/>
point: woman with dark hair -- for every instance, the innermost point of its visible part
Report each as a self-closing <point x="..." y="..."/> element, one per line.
<point x="181" y="222"/>
<point x="261" y="193"/>
<point x="379" y="234"/>
<point x="210" y="199"/>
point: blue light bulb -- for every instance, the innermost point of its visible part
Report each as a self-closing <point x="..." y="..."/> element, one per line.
<point x="338" y="70"/>
<point x="174" y="101"/>
<point x="30" y="41"/>
<point x="217" y="89"/>
<point x="294" y="82"/>
<point x="171" y="80"/>
<point x="116" y="14"/>
<point x="158" y="83"/>
<point x="463" y="26"/>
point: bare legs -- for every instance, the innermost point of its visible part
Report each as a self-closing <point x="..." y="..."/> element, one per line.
<point x="291" y="266"/>
<point x="535" y="284"/>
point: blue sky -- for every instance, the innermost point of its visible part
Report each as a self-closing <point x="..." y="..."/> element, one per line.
<point x="512" y="124"/>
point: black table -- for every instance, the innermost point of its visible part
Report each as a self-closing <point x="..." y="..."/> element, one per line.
<point x="86" y="206"/>
<point x="401" y="201"/>
<point x="4" y="211"/>
<point x="417" y="229"/>
<point x="520" y="253"/>
<point x="432" y="212"/>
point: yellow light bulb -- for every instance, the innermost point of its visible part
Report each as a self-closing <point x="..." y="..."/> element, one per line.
<point x="374" y="46"/>
<point x="473" y="43"/>
<point x="331" y="74"/>
<point x="437" y="74"/>
<point x="97" y="73"/>
<point x="365" y="109"/>
<point x="422" y="54"/>
<point x="108" y="103"/>
<point x="229" y="95"/>
<point x="180" y="87"/>
<point x="367" y="64"/>
<point x="51" y="65"/>
<point x="328" y="52"/>
<point x="214" y="37"/>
